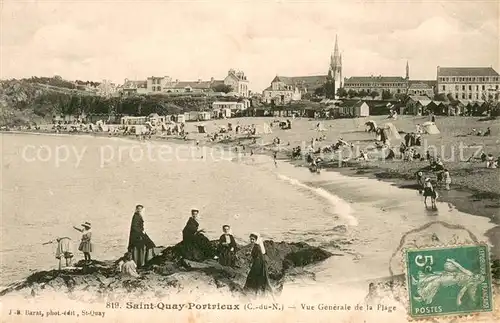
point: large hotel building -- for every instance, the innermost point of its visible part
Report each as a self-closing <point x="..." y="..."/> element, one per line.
<point x="470" y="83"/>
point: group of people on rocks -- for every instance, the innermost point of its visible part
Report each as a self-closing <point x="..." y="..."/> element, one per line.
<point x="196" y="246"/>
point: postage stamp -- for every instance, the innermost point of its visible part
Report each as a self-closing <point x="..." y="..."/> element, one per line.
<point x="444" y="281"/>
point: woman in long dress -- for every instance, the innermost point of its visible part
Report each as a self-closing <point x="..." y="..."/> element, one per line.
<point x="258" y="279"/>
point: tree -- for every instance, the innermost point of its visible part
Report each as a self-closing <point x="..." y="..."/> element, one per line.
<point x="401" y="97"/>
<point x="374" y="94"/>
<point x="351" y="93"/>
<point x="330" y="90"/>
<point x="386" y="95"/>
<point x="362" y="93"/>
<point x="320" y="91"/>
<point x="440" y="97"/>
<point x="222" y="88"/>
<point x="341" y="93"/>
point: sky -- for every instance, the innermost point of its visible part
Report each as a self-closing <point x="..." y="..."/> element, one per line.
<point x="190" y="40"/>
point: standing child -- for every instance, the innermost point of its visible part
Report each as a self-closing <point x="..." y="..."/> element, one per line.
<point x="64" y="250"/>
<point x="86" y="244"/>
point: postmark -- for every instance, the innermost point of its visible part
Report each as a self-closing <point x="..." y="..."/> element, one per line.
<point x="448" y="281"/>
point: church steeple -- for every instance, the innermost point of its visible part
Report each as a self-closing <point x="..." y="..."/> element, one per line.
<point x="407" y="71"/>
<point x="335" y="69"/>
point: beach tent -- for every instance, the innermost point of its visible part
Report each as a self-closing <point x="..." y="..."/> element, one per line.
<point x="390" y="131"/>
<point x="265" y="128"/>
<point x="430" y="128"/>
<point x="320" y="127"/>
<point x="201" y="129"/>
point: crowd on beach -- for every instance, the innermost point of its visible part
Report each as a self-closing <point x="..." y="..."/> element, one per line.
<point x="195" y="246"/>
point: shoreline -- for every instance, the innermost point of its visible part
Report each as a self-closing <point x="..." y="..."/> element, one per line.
<point x="464" y="198"/>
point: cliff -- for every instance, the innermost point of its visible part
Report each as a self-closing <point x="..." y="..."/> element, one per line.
<point x="167" y="273"/>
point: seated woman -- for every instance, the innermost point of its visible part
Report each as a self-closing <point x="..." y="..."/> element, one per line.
<point x="196" y="246"/>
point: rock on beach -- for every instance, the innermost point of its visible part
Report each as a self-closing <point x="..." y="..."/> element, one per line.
<point x="166" y="273"/>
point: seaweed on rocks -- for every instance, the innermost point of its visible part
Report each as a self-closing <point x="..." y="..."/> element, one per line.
<point x="171" y="269"/>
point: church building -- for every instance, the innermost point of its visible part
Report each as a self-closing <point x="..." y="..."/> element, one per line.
<point x="285" y="89"/>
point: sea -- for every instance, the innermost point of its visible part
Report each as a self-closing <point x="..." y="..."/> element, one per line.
<point x="50" y="183"/>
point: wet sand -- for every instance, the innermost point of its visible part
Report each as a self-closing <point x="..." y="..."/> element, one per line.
<point x="474" y="190"/>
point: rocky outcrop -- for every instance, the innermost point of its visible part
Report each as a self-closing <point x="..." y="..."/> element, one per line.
<point x="167" y="272"/>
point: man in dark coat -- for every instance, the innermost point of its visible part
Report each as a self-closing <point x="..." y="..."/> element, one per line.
<point x="196" y="246"/>
<point x="139" y="243"/>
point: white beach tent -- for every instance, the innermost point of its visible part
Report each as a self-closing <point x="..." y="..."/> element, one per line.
<point x="430" y="128"/>
<point x="265" y="128"/>
<point x="391" y="131"/>
<point x="320" y="127"/>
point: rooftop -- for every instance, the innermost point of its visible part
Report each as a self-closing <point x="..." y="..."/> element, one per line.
<point x="466" y="71"/>
<point x="377" y="79"/>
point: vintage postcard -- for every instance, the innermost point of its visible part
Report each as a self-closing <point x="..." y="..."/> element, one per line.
<point x="249" y="161"/>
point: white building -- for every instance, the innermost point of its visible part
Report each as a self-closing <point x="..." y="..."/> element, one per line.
<point x="471" y="83"/>
<point x="282" y="91"/>
<point x="238" y="82"/>
<point x="130" y="87"/>
<point x="107" y="89"/>
<point x="228" y="105"/>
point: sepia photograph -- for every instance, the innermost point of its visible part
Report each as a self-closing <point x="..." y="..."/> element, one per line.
<point x="247" y="161"/>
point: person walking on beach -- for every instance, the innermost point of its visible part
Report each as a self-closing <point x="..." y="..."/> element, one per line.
<point x="429" y="191"/>
<point x="275" y="155"/>
<point x="86" y="243"/>
<point x="227" y="247"/>
<point x="257" y="282"/>
<point x="447" y="179"/>
<point x="139" y="244"/>
<point x="64" y="250"/>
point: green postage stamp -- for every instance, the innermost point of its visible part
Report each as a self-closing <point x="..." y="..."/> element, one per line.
<point x="448" y="280"/>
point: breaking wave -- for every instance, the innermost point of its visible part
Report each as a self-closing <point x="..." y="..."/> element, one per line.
<point x="342" y="208"/>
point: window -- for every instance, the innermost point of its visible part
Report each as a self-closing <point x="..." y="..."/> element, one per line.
<point x="444" y="88"/>
<point x="470" y="87"/>
<point x="470" y="96"/>
<point x="463" y="95"/>
<point x="463" y="87"/>
<point x="484" y="88"/>
<point x="477" y="87"/>
<point x="477" y="96"/>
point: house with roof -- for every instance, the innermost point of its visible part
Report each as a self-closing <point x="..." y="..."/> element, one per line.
<point x="285" y="89"/>
<point x="350" y="109"/>
<point x="468" y="83"/>
<point x="422" y="87"/>
<point x="238" y="81"/>
<point x="131" y="87"/>
<point x="369" y="84"/>
<point x="282" y="91"/>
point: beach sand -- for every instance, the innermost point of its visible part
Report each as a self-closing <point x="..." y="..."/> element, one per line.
<point x="474" y="189"/>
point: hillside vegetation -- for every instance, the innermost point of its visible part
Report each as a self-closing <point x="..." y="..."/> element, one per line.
<point x="23" y="101"/>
